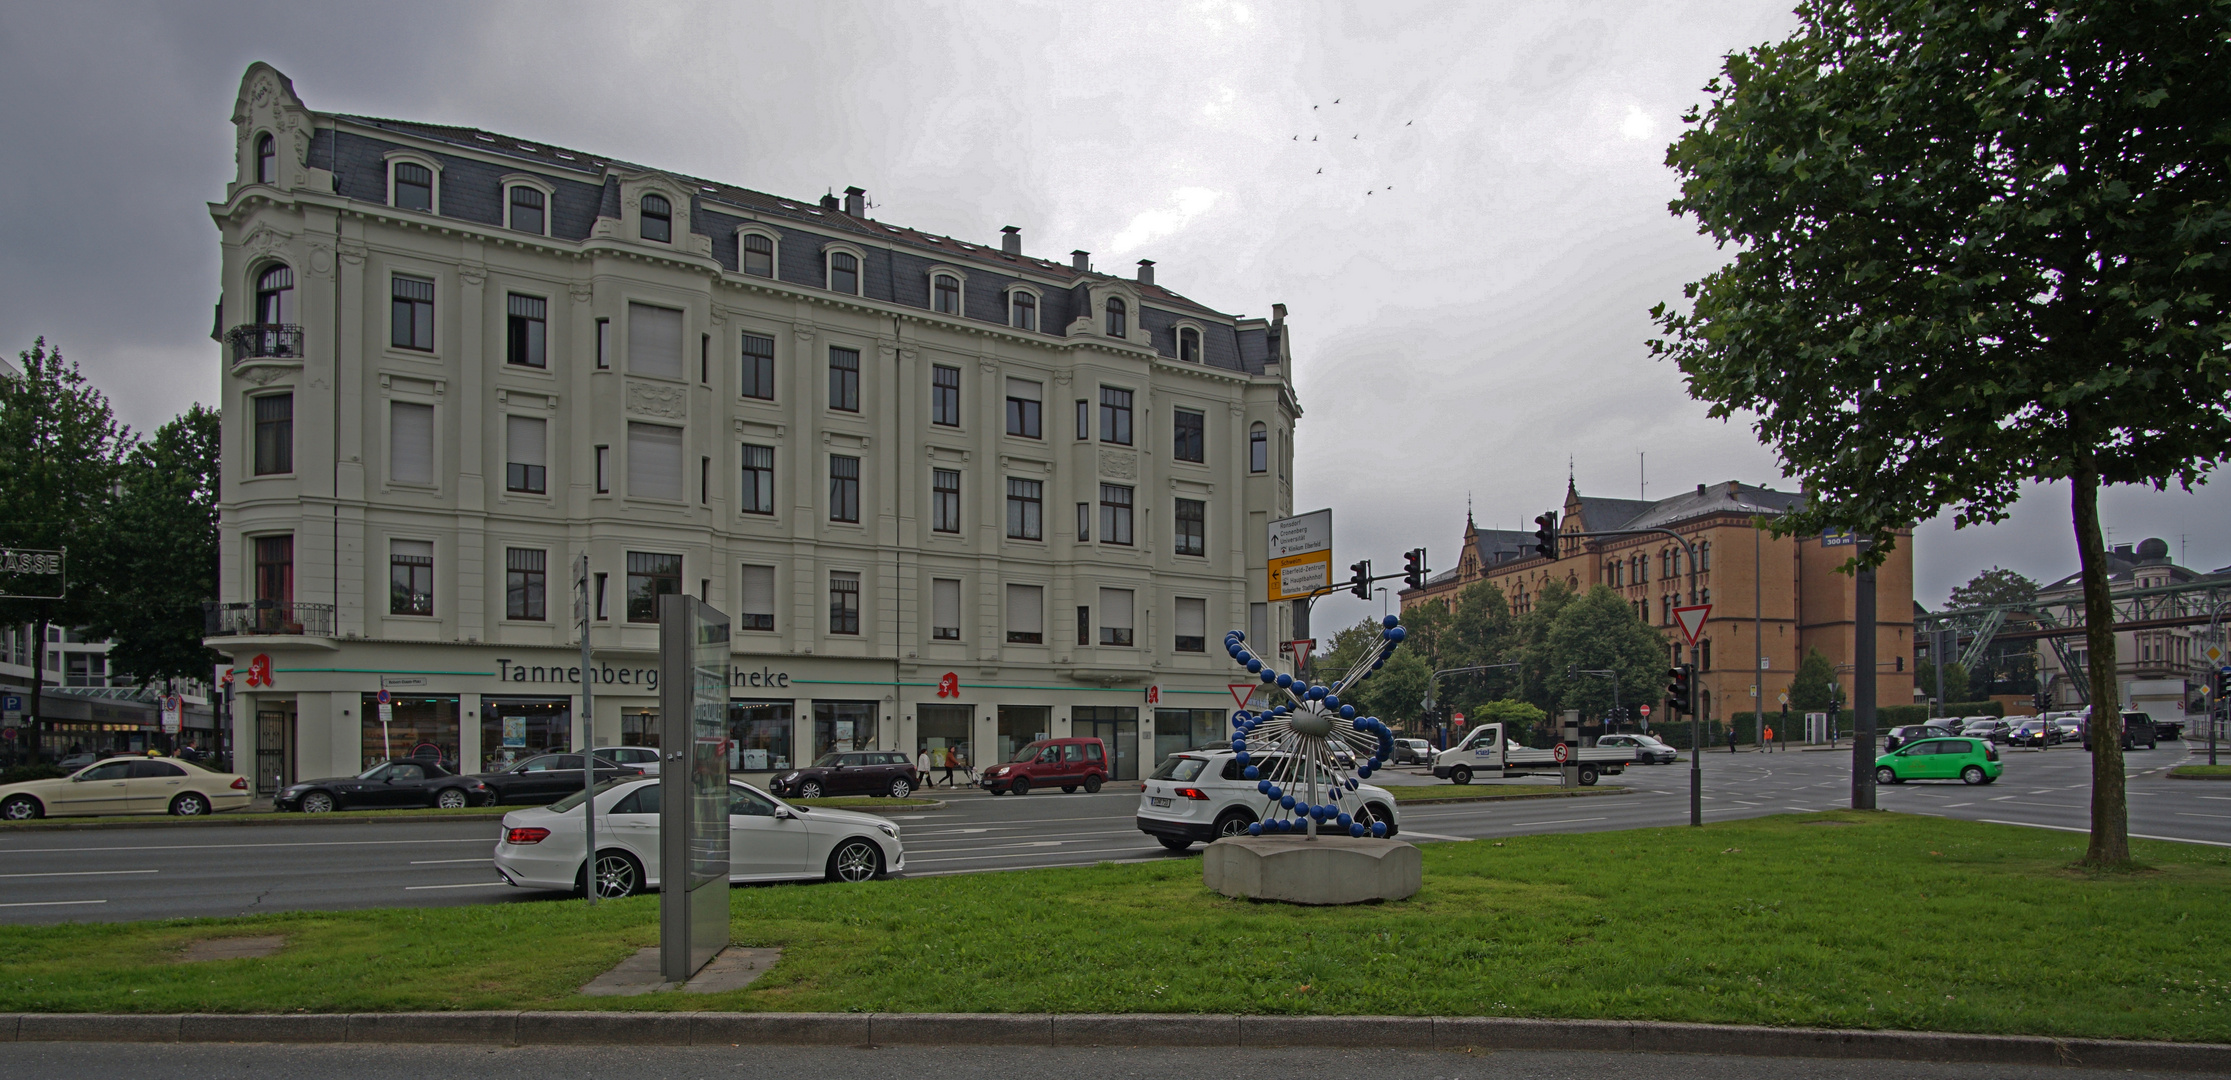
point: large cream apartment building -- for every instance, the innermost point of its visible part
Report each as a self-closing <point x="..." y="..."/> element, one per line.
<point x="950" y="494"/>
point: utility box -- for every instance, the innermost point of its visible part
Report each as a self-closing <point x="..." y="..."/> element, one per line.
<point x="693" y="785"/>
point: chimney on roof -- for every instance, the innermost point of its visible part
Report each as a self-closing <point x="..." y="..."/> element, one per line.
<point x="856" y="201"/>
<point x="1080" y="260"/>
<point x="1278" y="314"/>
<point x="1011" y="240"/>
<point x="1146" y="271"/>
<point x="1700" y="489"/>
<point x="828" y="202"/>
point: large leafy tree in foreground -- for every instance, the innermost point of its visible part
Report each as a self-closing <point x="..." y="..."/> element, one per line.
<point x="1976" y="244"/>
<point x="160" y="562"/>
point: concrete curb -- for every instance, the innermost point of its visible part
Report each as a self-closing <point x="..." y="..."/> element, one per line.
<point x="236" y="818"/>
<point x="881" y="810"/>
<point x="1042" y="1029"/>
<point x="1556" y="793"/>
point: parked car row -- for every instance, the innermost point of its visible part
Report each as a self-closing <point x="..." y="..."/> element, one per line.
<point x="414" y="782"/>
<point x="852" y="772"/>
<point x="127" y="785"/>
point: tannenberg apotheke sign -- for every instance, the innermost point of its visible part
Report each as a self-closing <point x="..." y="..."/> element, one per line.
<point x="33" y="574"/>
<point x="622" y="675"/>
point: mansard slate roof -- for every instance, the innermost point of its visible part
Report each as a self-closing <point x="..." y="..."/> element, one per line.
<point x="898" y="259"/>
<point x="1728" y="498"/>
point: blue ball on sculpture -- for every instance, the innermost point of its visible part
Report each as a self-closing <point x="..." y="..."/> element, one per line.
<point x="1254" y="828"/>
<point x="1252" y="772"/>
<point x="1243" y="757"/>
<point x="1269" y="676"/>
<point x="1391" y="621"/>
<point x="1254" y="666"/>
<point x="1397" y="634"/>
<point x="1345" y="821"/>
<point x="1347" y="712"/>
<point x="1285" y="680"/>
<point x="1364" y="771"/>
<point x="1287" y="802"/>
<point x="1350" y="783"/>
<point x="1355" y="829"/>
<point x="1378" y="828"/>
<point x="1264" y="787"/>
<point x="1332" y="701"/>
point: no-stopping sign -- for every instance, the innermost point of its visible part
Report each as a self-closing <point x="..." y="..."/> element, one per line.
<point x="1560" y="752"/>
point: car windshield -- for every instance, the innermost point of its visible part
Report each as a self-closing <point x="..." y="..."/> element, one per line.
<point x="826" y="761"/>
<point x="1648" y="740"/>
<point x="1027" y="752"/>
<point x="371" y="772"/>
<point x="573" y="800"/>
<point x="1180" y="768"/>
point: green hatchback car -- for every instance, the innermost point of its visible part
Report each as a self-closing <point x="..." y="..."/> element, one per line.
<point x="1971" y="761"/>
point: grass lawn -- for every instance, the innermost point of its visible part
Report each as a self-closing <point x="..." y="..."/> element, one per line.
<point x="2202" y="772"/>
<point x="1837" y="919"/>
<point x="1476" y="793"/>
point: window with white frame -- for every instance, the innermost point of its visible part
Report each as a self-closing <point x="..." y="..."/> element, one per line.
<point x="654" y="341"/>
<point x="945" y="609"/>
<point x="844" y="379"/>
<point x="1022" y="309"/>
<point x="1025" y="509"/>
<point x="755" y="254"/>
<point x="1258" y="449"/>
<point x="1115" y="616"/>
<point x="410" y="442"/>
<point x="656" y="219"/>
<point x="844" y="488"/>
<point x="526" y="583"/>
<point x="411" y="314"/>
<point x="1189" y="434"/>
<point x="410" y="186"/>
<point x="1119" y="318"/>
<point x="945" y="395"/>
<point x="1192" y="624"/>
<point x="758" y="496"/>
<point x="526" y="442"/>
<point x="1115" y="416"/>
<point x="410" y="572"/>
<point x="1188" y="345"/>
<point x="654" y="461"/>
<point x="1192" y="527"/>
<point x="1026" y="614"/>
<point x="1024" y="408"/>
<point x="844" y="273"/>
<point x="945" y="294"/>
<point x="529" y="210"/>
<point x="844" y="602"/>
<point x="275" y="295"/>
<point x="526" y="330"/>
<point x="267" y="159"/>
<point x="1115" y="514"/>
<point x="757" y="376"/>
<point x="757" y="606"/>
<point x="945" y="500"/>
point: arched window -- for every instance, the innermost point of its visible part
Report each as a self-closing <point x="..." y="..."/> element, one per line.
<point x="1704" y="555"/>
<point x="657" y="219"/>
<point x="267" y="160"/>
<point x="1022" y="309"/>
<point x="945" y="294"/>
<point x="844" y="273"/>
<point x="414" y="187"/>
<point x="758" y="255"/>
<point x="1189" y="345"/>
<point x="275" y="296"/>
<point x="1119" y="318"/>
<point x="1258" y="449"/>
<point x="527" y="209"/>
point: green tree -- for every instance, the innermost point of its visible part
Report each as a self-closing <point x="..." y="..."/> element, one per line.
<point x="162" y="561"/>
<point x="1976" y="245"/>
<point x="1519" y="719"/>
<point x="1956" y="680"/>
<point x="1538" y="661"/>
<point x="61" y="454"/>
<point x="1997" y="585"/>
<point x="1483" y="632"/>
<point x="1599" y="631"/>
<point x="1814" y="684"/>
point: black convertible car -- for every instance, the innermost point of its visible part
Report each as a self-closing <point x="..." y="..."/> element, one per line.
<point x="545" y="779"/>
<point x="408" y="782"/>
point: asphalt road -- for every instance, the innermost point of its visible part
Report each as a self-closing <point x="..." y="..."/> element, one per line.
<point x="127" y="874"/>
<point x="117" y="1061"/>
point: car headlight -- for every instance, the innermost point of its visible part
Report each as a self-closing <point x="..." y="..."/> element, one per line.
<point x="788" y="777"/>
<point x="889" y="830"/>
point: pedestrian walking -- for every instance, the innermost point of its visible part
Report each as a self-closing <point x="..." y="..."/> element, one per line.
<point x="1731" y="738"/>
<point x="1766" y="741"/>
<point x="922" y="768"/>
<point x="949" y="763"/>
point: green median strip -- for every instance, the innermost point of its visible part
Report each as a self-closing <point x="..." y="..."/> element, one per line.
<point x="1476" y="793"/>
<point x="1888" y="922"/>
<point x="2201" y="772"/>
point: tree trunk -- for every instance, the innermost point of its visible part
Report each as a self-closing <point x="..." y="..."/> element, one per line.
<point x="38" y="680"/>
<point x="2110" y="843"/>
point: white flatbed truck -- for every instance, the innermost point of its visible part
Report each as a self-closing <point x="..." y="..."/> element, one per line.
<point x="1485" y="752"/>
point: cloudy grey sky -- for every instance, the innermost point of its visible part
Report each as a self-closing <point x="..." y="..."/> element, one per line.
<point x="1469" y="274"/>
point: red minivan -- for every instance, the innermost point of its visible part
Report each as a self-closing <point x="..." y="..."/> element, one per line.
<point x="1069" y="763"/>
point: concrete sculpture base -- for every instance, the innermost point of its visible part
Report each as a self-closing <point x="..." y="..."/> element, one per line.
<point x="1327" y="870"/>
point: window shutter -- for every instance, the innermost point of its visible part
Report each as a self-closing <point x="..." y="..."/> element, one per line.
<point x="654" y="341"/>
<point x="1192" y="617"/>
<point x="1115" y="608"/>
<point x="759" y="590"/>
<point x="1258" y="626"/>
<point x="1022" y="389"/>
<point x="654" y="461"/>
<point x="945" y="602"/>
<point x="1025" y="612"/>
<point x="524" y="440"/>
<point x="410" y="442"/>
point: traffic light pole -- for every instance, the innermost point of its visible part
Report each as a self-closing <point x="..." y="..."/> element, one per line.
<point x="1696" y="762"/>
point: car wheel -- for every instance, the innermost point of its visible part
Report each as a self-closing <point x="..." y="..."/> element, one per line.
<point x="1092" y="785"/>
<point x="1069" y="789"/>
<point x="855" y="860"/>
<point x="1462" y="774"/>
<point x="451" y="799"/>
<point x="1379" y="812"/>
<point x="1021" y="786"/>
<point x="318" y="802"/>
<point x="617" y="875"/>
<point x="1175" y="843"/>
<point x="1587" y="776"/>
<point x="21" y="808"/>
<point x="1973" y="774"/>
<point x="1234" y="823"/>
<point x="190" y="804"/>
<point x="1884" y="774"/>
<point x="809" y="789"/>
<point x="900" y="788"/>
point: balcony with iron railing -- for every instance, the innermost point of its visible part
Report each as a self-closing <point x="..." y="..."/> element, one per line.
<point x="266" y="618"/>
<point x="265" y="341"/>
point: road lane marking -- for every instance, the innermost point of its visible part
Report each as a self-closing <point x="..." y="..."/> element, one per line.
<point x="1436" y="836"/>
<point x="1558" y="821"/>
<point x="54" y="903"/>
<point x="2003" y="798"/>
<point x="439" y="862"/>
<point x="82" y="873"/>
<point x="2140" y="836"/>
<point x="467" y="885"/>
<point x="2219" y="817"/>
<point x="1953" y="806"/>
<point x="221" y="847"/>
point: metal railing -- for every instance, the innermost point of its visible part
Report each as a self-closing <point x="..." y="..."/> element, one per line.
<point x="266" y="617"/>
<point x="265" y="341"/>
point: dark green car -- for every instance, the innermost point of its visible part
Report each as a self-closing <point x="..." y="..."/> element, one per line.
<point x="1970" y="761"/>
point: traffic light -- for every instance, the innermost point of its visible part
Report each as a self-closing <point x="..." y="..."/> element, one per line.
<point x="1545" y="537"/>
<point x="1360" y="583"/>
<point x="1679" y="687"/>
<point x="1413" y="568"/>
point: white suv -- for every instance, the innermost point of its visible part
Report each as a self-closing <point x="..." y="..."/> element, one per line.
<point x="1200" y="795"/>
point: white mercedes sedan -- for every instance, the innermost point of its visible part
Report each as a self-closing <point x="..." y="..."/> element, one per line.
<point x="768" y="840"/>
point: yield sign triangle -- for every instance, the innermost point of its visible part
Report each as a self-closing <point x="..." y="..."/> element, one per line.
<point x="1241" y="691"/>
<point x="1692" y="620"/>
<point x="1302" y="649"/>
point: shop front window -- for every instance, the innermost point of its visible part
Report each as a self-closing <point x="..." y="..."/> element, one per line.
<point x="1021" y="725"/>
<point x="515" y="729"/>
<point x="412" y="727"/>
<point x="639" y="727"/>
<point x="942" y="732"/>
<point x="759" y="737"/>
<point x="1177" y="730"/>
<point x="843" y="725"/>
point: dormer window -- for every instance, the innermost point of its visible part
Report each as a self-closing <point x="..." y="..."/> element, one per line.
<point x="413" y="188"/>
<point x="758" y="255"/>
<point x="267" y="160"/>
<point x="844" y="273"/>
<point x="527" y="207"/>
<point x="657" y="219"/>
<point x="1189" y="345"/>
<point x="275" y="296"/>
<point x="945" y="294"/>
<point x="1022" y="307"/>
<point x="1119" y="318"/>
